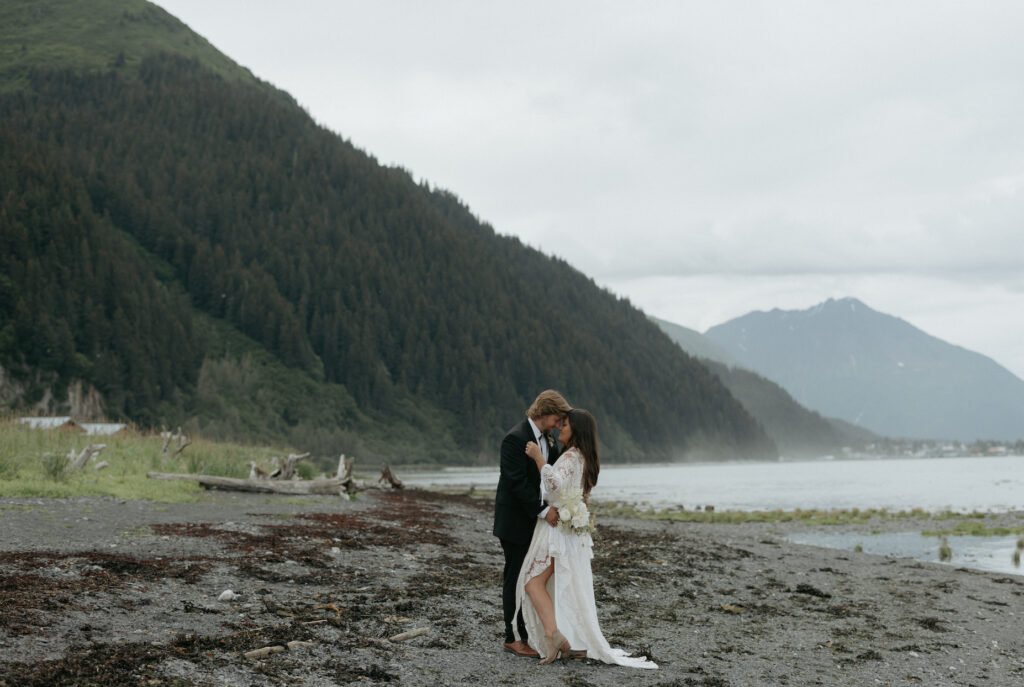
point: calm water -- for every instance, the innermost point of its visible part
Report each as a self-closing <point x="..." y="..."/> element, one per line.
<point x="994" y="554"/>
<point x="962" y="484"/>
<point x="934" y="484"/>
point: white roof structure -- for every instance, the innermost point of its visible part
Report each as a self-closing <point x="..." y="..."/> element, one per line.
<point x="47" y="422"/>
<point x="66" y="422"/>
<point x="102" y="428"/>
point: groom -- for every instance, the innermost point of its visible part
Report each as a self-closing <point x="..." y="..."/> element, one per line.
<point x="517" y="504"/>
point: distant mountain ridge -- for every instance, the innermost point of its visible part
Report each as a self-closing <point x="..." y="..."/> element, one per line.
<point x="797" y="431"/>
<point x="845" y="360"/>
<point x="695" y="343"/>
<point x="184" y="241"/>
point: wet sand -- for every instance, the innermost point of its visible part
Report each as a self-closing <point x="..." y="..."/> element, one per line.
<point x="98" y="591"/>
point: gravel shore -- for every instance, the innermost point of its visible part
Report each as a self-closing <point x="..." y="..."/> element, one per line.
<point x="98" y="591"/>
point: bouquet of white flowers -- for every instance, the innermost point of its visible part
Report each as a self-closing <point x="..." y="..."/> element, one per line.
<point x="573" y="514"/>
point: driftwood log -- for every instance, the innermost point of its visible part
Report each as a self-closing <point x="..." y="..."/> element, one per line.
<point x="288" y="465"/>
<point x="345" y="467"/>
<point x="77" y="461"/>
<point x="343" y="483"/>
<point x="271" y="486"/>
<point x="276" y="648"/>
<point x="182" y="441"/>
<point x="409" y="635"/>
<point x="284" y="468"/>
<point x="388" y="477"/>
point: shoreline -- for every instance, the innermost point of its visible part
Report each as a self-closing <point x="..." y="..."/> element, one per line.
<point x="125" y="592"/>
<point x="930" y="485"/>
<point x="413" y="468"/>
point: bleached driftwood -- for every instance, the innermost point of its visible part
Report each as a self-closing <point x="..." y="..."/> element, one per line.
<point x="345" y="467"/>
<point x="181" y="439"/>
<point x="270" y="486"/>
<point x="78" y="461"/>
<point x="275" y="648"/>
<point x="388" y="477"/>
<point x="100" y="465"/>
<point x="284" y="468"/>
<point x="288" y="466"/>
<point x="343" y="483"/>
<point x="256" y="471"/>
<point x="409" y="635"/>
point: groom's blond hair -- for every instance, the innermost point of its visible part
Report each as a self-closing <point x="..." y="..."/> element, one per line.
<point x="549" y="402"/>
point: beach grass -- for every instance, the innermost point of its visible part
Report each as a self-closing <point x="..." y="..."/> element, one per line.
<point x="810" y="516"/>
<point x="973" y="528"/>
<point x="33" y="463"/>
<point x="839" y="516"/>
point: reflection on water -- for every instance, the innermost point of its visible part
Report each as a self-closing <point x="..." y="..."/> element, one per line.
<point x="994" y="554"/>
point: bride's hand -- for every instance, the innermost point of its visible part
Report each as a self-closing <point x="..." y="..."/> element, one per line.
<point x="533" y="451"/>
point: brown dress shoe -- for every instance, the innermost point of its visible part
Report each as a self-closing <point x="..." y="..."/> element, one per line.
<point x="521" y="648"/>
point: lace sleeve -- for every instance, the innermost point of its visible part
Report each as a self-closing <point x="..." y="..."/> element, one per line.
<point x="562" y="473"/>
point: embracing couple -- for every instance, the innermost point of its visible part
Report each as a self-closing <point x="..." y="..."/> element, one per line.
<point x="548" y="587"/>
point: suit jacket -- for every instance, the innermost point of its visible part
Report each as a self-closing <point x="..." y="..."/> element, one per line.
<point x="517" y="501"/>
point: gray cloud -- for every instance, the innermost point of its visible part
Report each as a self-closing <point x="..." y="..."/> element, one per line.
<point x="770" y="150"/>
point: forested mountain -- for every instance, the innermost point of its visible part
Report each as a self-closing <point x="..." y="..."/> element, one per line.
<point x="846" y="360"/>
<point x="186" y="240"/>
<point x="695" y="343"/>
<point x="797" y="431"/>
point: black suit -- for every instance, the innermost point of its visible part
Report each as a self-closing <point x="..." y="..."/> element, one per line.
<point x="516" y="507"/>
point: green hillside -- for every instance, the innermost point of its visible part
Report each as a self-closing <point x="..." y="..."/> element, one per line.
<point x="194" y="247"/>
<point x="96" y="36"/>
<point x="797" y="431"/>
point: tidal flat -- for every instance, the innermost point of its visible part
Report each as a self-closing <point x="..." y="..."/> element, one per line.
<point x="121" y="592"/>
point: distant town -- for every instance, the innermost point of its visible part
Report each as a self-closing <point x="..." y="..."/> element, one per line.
<point x="923" y="448"/>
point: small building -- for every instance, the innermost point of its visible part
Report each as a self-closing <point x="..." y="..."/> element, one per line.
<point x="103" y="429"/>
<point x="64" y="422"/>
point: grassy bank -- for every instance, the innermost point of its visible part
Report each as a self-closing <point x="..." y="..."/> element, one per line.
<point x="33" y="463"/>
<point x="974" y="529"/>
<point x="839" y="516"/>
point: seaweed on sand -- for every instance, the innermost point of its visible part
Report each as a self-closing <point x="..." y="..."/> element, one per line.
<point x="27" y="597"/>
<point x="114" y="665"/>
<point x="402" y="523"/>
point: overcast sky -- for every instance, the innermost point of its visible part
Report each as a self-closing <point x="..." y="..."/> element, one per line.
<point x="704" y="159"/>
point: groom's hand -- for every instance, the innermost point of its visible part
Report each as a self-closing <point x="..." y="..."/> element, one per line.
<point x="533" y="451"/>
<point x="552" y="517"/>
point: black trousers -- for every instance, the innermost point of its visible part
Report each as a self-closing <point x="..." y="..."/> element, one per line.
<point x="514" y="556"/>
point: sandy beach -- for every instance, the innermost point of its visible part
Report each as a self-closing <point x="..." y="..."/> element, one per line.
<point x="100" y="591"/>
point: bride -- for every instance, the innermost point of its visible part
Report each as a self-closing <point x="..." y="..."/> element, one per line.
<point x="558" y="603"/>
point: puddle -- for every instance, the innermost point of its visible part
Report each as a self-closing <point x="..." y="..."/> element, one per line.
<point x="992" y="554"/>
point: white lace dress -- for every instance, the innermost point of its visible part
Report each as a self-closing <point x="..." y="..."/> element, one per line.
<point x="571" y="587"/>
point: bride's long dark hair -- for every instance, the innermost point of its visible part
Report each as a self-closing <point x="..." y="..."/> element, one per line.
<point x="584" y="439"/>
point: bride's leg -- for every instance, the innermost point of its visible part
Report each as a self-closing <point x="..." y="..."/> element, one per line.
<point x="537" y="590"/>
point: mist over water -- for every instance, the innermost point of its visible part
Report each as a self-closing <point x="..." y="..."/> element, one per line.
<point x="934" y="484"/>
